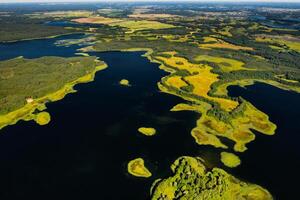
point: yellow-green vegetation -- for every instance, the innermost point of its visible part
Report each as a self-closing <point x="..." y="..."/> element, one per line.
<point x="40" y="79"/>
<point x="201" y="78"/>
<point x="283" y="41"/>
<point x="226" y="31"/>
<point x="43" y="118"/>
<point x="211" y="42"/>
<point x="230" y="159"/>
<point x="147" y="131"/>
<point x="221" y="90"/>
<point x="238" y="127"/>
<point x="235" y="123"/>
<point x="139" y="25"/>
<point x="137" y="168"/>
<point x="226" y="64"/>
<point x="124" y="82"/>
<point x="192" y="180"/>
<point x="132" y="25"/>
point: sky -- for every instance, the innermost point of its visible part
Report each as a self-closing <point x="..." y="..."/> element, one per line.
<point x="44" y="1"/>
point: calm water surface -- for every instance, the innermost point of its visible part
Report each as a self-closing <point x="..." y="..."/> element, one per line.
<point x="273" y="161"/>
<point x="84" y="151"/>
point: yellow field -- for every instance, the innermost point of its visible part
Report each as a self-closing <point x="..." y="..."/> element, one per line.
<point x="137" y="168"/>
<point x="230" y="159"/>
<point x="290" y="42"/>
<point x="176" y="81"/>
<point x="221" y="44"/>
<point x="208" y="128"/>
<point x="148" y="131"/>
<point x="134" y="25"/>
<point x="201" y="79"/>
<point x="222" y="89"/>
<point x="226" y="31"/>
<point x="124" y="82"/>
<point x="226" y="64"/>
<point x="42" y="118"/>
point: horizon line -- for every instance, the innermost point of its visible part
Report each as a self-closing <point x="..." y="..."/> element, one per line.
<point x="145" y="1"/>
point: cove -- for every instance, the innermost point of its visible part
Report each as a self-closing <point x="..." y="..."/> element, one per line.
<point x="38" y="48"/>
<point x="273" y="160"/>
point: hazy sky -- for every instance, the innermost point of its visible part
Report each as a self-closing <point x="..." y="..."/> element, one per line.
<point x="14" y="1"/>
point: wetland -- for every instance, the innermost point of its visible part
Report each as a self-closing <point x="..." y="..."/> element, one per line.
<point x="151" y="101"/>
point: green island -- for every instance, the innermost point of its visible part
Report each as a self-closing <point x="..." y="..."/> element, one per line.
<point x="147" y="131"/>
<point x="43" y="118"/>
<point x="192" y="180"/>
<point x="124" y="82"/>
<point x="137" y="168"/>
<point x="38" y="81"/>
<point x="230" y="159"/>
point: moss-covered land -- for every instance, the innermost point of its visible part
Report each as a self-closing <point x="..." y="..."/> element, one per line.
<point x="124" y="82"/>
<point x="147" y="131"/>
<point x="192" y="180"/>
<point x="137" y="168"/>
<point x="230" y="159"/>
<point x="43" y="118"/>
<point x="38" y="81"/>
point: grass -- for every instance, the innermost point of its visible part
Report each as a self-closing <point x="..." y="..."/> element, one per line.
<point x="43" y="118"/>
<point x="147" y="131"/>
<point x="239" y="129"/>
<point x="222" y="89"/>
<point x="131" y="25"/>
<point x="139" y="25"/>
<point x="226" y="64"/>
<point x="137" y="168"/>
<point x="176" y="81"/>
<point x="192" y="180"/>
<point x="124" y="82"/>
<point x="201" y="78"/>
<point x="230" y="160"/>
<point x="285" y="41"/>
<point x="213" y="126"/>
<point x="211" y="42"/>
<point x="226" y="31"/>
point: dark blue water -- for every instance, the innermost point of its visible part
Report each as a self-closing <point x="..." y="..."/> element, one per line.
<point x="273" y="161"/>
<point x="84" y="150"/>
<point x="38" y="48"/>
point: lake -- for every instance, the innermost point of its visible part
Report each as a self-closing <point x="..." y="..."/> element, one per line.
<point x="83" y="152"/>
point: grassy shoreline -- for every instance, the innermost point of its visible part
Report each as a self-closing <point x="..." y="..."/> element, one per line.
<point x="26" y="113"/>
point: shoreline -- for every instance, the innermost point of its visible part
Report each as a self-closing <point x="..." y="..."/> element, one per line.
<point x="26" y="112"/>
<point x="41" y="38"/>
